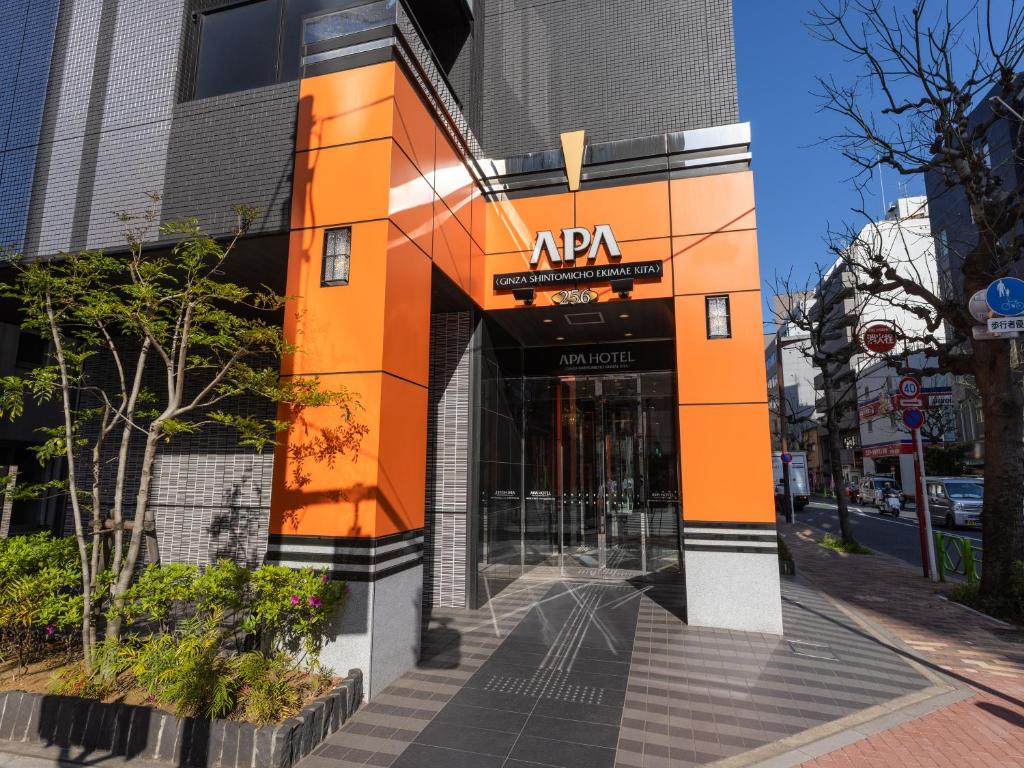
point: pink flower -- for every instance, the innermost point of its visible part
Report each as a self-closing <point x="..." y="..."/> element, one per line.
<point x="295" y="599"/>
<point x="314" y="601"/>
<point x="50" y="630"/>
<point x="324" y="578"/>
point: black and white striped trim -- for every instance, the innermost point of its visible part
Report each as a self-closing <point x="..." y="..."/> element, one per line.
<point x="349" y="557"/>
<point x="747" y="538"/>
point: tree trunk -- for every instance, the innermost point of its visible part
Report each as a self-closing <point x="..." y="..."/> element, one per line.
<point x="836" y="459"/>
<point x="120" y="586"/>
<point x="1002" y="403"/>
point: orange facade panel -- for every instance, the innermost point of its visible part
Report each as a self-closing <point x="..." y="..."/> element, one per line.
<point x="380" y="491"/>
<point x="452" y="253"/>
<point x="411" y="200"/>
<point x="314" y="497"/>
<point x="341" y="184"/>
<point x="635" y="212"/>
<point x="512" y="225"/>
<point x="414" y="127"/>
<point x="453" y="182"/>
<point x="406" y="348"/>
<point x="402" y="461"/>
<point x="717" y="203"/>
<point x="720" y="370"/>
<point x="719" y="445"/>
<point x="345" y="107"/>
<point x="336" y="328"/>
<point x="716" y="263"/>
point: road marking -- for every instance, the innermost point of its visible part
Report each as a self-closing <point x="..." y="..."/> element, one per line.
<point x="898" y="521"/>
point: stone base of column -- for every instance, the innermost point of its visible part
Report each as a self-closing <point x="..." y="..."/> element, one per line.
<point x="732" y="577"/>
<point x="378" y="629"/>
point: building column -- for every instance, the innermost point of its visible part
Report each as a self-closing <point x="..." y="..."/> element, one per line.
<point x="728" y="528"/>
<point x="362" y="517"/>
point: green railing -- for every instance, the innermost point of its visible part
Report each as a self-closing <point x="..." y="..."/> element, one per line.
<point x="957" y="554"/>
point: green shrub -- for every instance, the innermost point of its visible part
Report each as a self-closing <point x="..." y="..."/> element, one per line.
<point x="220" y="641"/>
<point x="40" y="593"/>
<point x="830" y="541"/>
<point x="1008" y="606"/>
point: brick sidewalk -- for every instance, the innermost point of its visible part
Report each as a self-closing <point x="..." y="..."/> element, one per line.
<point x="984" y="730"/>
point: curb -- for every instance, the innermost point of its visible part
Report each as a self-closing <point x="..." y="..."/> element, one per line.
<point x="69" y="730"/>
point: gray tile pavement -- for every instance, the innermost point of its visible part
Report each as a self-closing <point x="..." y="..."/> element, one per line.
<point x="604" y="674"/>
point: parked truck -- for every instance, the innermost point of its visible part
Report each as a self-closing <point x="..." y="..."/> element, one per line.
<point x="798" y="485"/>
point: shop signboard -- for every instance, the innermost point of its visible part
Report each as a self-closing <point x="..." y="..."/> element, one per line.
<point x="880" y="338"/>
<point x="576" y="276"/>
<point x="583" y="359"/>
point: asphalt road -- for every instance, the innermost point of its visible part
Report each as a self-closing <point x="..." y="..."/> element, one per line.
<point x="885" y="534"/>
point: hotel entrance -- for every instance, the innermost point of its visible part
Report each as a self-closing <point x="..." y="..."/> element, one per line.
<point x="611" y="449"/>
<point x="598" y="489"/>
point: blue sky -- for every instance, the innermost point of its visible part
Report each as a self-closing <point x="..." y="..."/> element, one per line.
<point x="802" y="184"/>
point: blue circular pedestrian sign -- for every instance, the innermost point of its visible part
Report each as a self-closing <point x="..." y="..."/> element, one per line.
<point x="1005" y="296"/>
<point x="787" y="457"/>
<point x="913" y="418"/>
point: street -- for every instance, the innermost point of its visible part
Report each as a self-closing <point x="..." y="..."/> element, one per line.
<point x="884" y="534"/>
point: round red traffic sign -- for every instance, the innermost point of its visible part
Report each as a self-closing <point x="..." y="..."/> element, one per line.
<point x="880" y="338"/>
<point x="787" y="457"/>
<point x="909" y="387"/>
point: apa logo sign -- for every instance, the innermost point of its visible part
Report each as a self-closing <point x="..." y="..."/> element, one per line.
<point x="575" y="241"/>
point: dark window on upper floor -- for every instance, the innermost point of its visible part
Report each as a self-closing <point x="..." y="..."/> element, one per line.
<point x="259" y="43"/>
<point x="238" y="48"/>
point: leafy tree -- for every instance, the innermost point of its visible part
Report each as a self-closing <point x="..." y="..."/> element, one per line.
<point x="932" y="66"/>
<point x="117" y="322"/>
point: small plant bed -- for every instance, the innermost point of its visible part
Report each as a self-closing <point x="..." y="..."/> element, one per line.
<point x="221" y="642"/>
<point x="836" y="544"/>
<point x="47" y="676"/>
<point x="1007" y="607"/>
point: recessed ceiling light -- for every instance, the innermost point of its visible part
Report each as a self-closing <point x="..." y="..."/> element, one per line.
<point x="559" y="338"/>
<point x="548" y="320"/>
<point x="624" y="315"/>
<point x="628" y="335"/>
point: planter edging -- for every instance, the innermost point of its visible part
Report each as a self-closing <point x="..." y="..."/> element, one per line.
<point x="96" y="729"/>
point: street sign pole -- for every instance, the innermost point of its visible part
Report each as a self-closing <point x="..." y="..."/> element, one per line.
<point x="787" y="498"/>
<point x="924" y="517"/>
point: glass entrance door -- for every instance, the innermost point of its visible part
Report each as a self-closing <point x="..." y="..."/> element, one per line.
<point x="602" y="458"/>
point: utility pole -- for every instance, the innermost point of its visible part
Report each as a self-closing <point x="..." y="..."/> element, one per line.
<point x="783" y="426"/>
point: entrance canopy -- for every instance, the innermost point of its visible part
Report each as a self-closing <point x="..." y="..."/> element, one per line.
<point x="545" y="326"/>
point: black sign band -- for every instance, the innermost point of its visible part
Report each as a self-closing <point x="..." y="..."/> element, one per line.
<point x="640" y="270"/>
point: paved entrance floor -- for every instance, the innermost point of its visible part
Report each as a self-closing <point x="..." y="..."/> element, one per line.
<point x="573" y="673"/>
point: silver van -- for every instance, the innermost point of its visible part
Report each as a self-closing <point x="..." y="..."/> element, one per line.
<point x="956" y="502"/>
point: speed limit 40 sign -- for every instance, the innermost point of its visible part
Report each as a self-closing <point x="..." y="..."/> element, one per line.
<point x="909" y="392"/>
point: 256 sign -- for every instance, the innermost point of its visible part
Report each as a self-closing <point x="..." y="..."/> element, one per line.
<point x="574" y="296"/>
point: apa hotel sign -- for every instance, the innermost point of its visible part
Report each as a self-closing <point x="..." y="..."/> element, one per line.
<point x="577" y="241"/>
